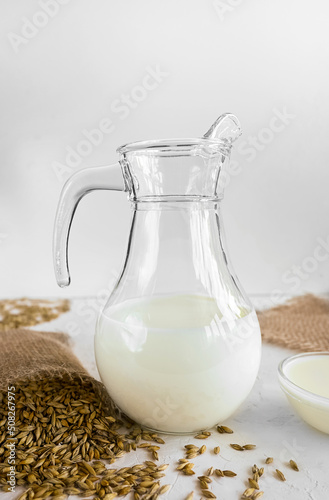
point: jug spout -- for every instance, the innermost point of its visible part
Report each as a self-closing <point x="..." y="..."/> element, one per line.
<point x="226" y="128"/>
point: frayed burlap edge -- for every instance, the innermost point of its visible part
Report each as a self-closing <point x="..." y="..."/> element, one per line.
<point x="301" y="323"/>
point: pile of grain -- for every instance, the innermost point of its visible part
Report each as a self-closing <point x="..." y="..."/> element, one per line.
<point x="64" y="437"/>
<point x="16" y="313"/>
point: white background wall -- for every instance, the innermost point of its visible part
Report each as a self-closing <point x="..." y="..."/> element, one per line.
<point x="254" y="58"/>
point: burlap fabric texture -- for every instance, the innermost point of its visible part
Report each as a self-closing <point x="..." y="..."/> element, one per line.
<point x="301" y="323"/>
<point x="33" y="355"/>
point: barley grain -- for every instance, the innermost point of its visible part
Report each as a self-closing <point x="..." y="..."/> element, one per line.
<point x="280" y="475"/>
<point x="293" y="465"/>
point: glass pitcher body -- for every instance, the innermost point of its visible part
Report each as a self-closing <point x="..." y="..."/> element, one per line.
<point x="178" y="343"/>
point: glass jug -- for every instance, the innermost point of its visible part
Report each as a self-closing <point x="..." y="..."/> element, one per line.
<point x="178" y="343"/>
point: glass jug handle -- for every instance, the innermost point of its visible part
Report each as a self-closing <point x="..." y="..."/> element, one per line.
<point x="75" y="188"/>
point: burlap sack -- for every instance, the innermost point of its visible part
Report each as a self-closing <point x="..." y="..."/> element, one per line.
<point x="301" y="323"/>
<point x="33" y="355"/>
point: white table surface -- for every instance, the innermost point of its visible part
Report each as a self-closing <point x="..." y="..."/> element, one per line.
<point x="265" y="419"/>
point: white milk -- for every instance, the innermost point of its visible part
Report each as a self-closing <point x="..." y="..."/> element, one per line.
<point x="171" y="363"/>
<point x="310" y="373"/>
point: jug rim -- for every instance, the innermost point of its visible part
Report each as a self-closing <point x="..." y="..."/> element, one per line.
<point x="179" y="146"/>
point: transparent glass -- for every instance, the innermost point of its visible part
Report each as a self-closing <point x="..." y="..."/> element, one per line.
<point x="178" y="343"/>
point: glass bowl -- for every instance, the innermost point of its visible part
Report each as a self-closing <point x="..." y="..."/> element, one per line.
<point x="304" y="378"/>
